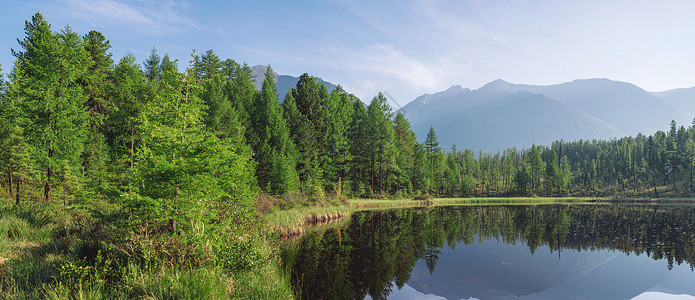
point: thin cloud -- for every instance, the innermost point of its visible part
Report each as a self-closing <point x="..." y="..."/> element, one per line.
<point x="151" y="17"/>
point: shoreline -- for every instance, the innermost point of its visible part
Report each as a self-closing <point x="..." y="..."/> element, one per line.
<point x="293" y="222"/>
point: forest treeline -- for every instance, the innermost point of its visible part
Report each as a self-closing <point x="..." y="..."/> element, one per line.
<point x="78" y="124"/>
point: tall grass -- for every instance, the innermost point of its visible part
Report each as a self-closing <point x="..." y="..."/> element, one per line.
<point x="48" y="251"/>
<point x="296" y="217"/>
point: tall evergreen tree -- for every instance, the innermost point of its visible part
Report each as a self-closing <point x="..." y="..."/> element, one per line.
<point x="52" y="98"/>
<point x="535" y="164"/>
<point x="405" y="143"/>
<point x="241" y="92"/>
<point x="304" y="137"/>
<point x="552" y="176"/>
<point x="337" y="152"/>
<point x="381" y="145"/>
<point x="432" y="150"/>
<point x="95" y="84"/>
<point x="152" y="68"/>
<point x="358" y="139"/>
<point x="274" y="150"/>
<point x="129" y="93"/>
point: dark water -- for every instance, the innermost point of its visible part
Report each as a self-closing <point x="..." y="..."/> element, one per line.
<point x="501" y="252"/>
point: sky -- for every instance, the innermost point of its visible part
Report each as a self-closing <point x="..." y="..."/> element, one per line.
<point x="405" y="48"/>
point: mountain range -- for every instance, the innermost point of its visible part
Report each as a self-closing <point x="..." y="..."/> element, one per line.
<point x="283" y="83"/>
<point x="502" y="115"/>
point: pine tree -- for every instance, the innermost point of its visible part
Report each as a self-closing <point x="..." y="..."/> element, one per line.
<point x="535" y="164"/>
<point x="432" y="150"/>
<point x="52" y="98"/>
<point x="357" y="137"/>
<point x="551" y="173"/>
<point x="241" y="92"/>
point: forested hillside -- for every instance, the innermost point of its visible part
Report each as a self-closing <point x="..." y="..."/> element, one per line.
<point x="78" y="124"/>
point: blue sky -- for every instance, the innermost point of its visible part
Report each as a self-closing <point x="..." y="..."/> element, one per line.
<point x="406" y="48"/>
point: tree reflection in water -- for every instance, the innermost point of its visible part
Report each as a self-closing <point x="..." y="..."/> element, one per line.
<point x="378" y="250"/>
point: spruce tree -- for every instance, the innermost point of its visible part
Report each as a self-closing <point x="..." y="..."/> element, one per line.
<point x="357" y="137"/>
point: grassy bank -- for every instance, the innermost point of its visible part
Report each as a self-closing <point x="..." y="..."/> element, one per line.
<point x="78" y="252"/>
<point x="294" y="218"/>
<point x="56" y="252"/>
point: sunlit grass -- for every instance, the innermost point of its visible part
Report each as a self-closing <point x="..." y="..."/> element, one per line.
<point x="296" y="217"/>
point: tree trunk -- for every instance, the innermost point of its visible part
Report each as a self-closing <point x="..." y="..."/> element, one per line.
<point x="9" y="177"/>
<point x="381" y="170"/>
<point x="372" y="181"/>
<point x="18" y="189"/>
<point x="47" y="186"/>
<point x="49" y="169"/>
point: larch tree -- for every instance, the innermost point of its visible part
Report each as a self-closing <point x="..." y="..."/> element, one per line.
<point x="274" y="151"/>
<point x="51" y="96"/>
<point x="381" y="145"/>
<point x="96" y="84"/>
<point x="129" y="93"/>
<point x="405" y="158"/>
<point x="337" y="153"/>
<point x="304" y="137"/>
<point x="187" y="177"/>
<point x="358" y="139"/>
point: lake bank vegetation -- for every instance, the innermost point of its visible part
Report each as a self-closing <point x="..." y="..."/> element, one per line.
<point x="127" y="180"/>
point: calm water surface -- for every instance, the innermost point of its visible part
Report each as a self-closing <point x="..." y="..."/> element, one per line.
<point x="501" y="252"/>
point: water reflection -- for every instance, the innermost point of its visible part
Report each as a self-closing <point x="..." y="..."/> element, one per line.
<point x="500" y="252"/>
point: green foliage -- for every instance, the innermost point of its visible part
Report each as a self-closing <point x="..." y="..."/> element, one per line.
<point x="273" y="149"/>
<point x="187" y="173"/>
<point x="49" y="71"/>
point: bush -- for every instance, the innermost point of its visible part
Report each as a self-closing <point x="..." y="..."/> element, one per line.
<point x="422" y="197"/>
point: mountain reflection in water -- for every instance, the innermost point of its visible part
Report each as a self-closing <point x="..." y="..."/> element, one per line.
<point x="500" y="252"/>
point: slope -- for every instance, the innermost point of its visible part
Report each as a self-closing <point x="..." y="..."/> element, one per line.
<point x="492" y="121"/>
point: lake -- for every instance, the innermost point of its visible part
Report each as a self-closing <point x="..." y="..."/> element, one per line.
<point x="597" y="251"/>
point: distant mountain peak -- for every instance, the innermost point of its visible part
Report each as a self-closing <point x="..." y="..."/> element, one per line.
<point x="283" y="83"/>
<point x="455" y="87"/>
<point x="499" y="85"/>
